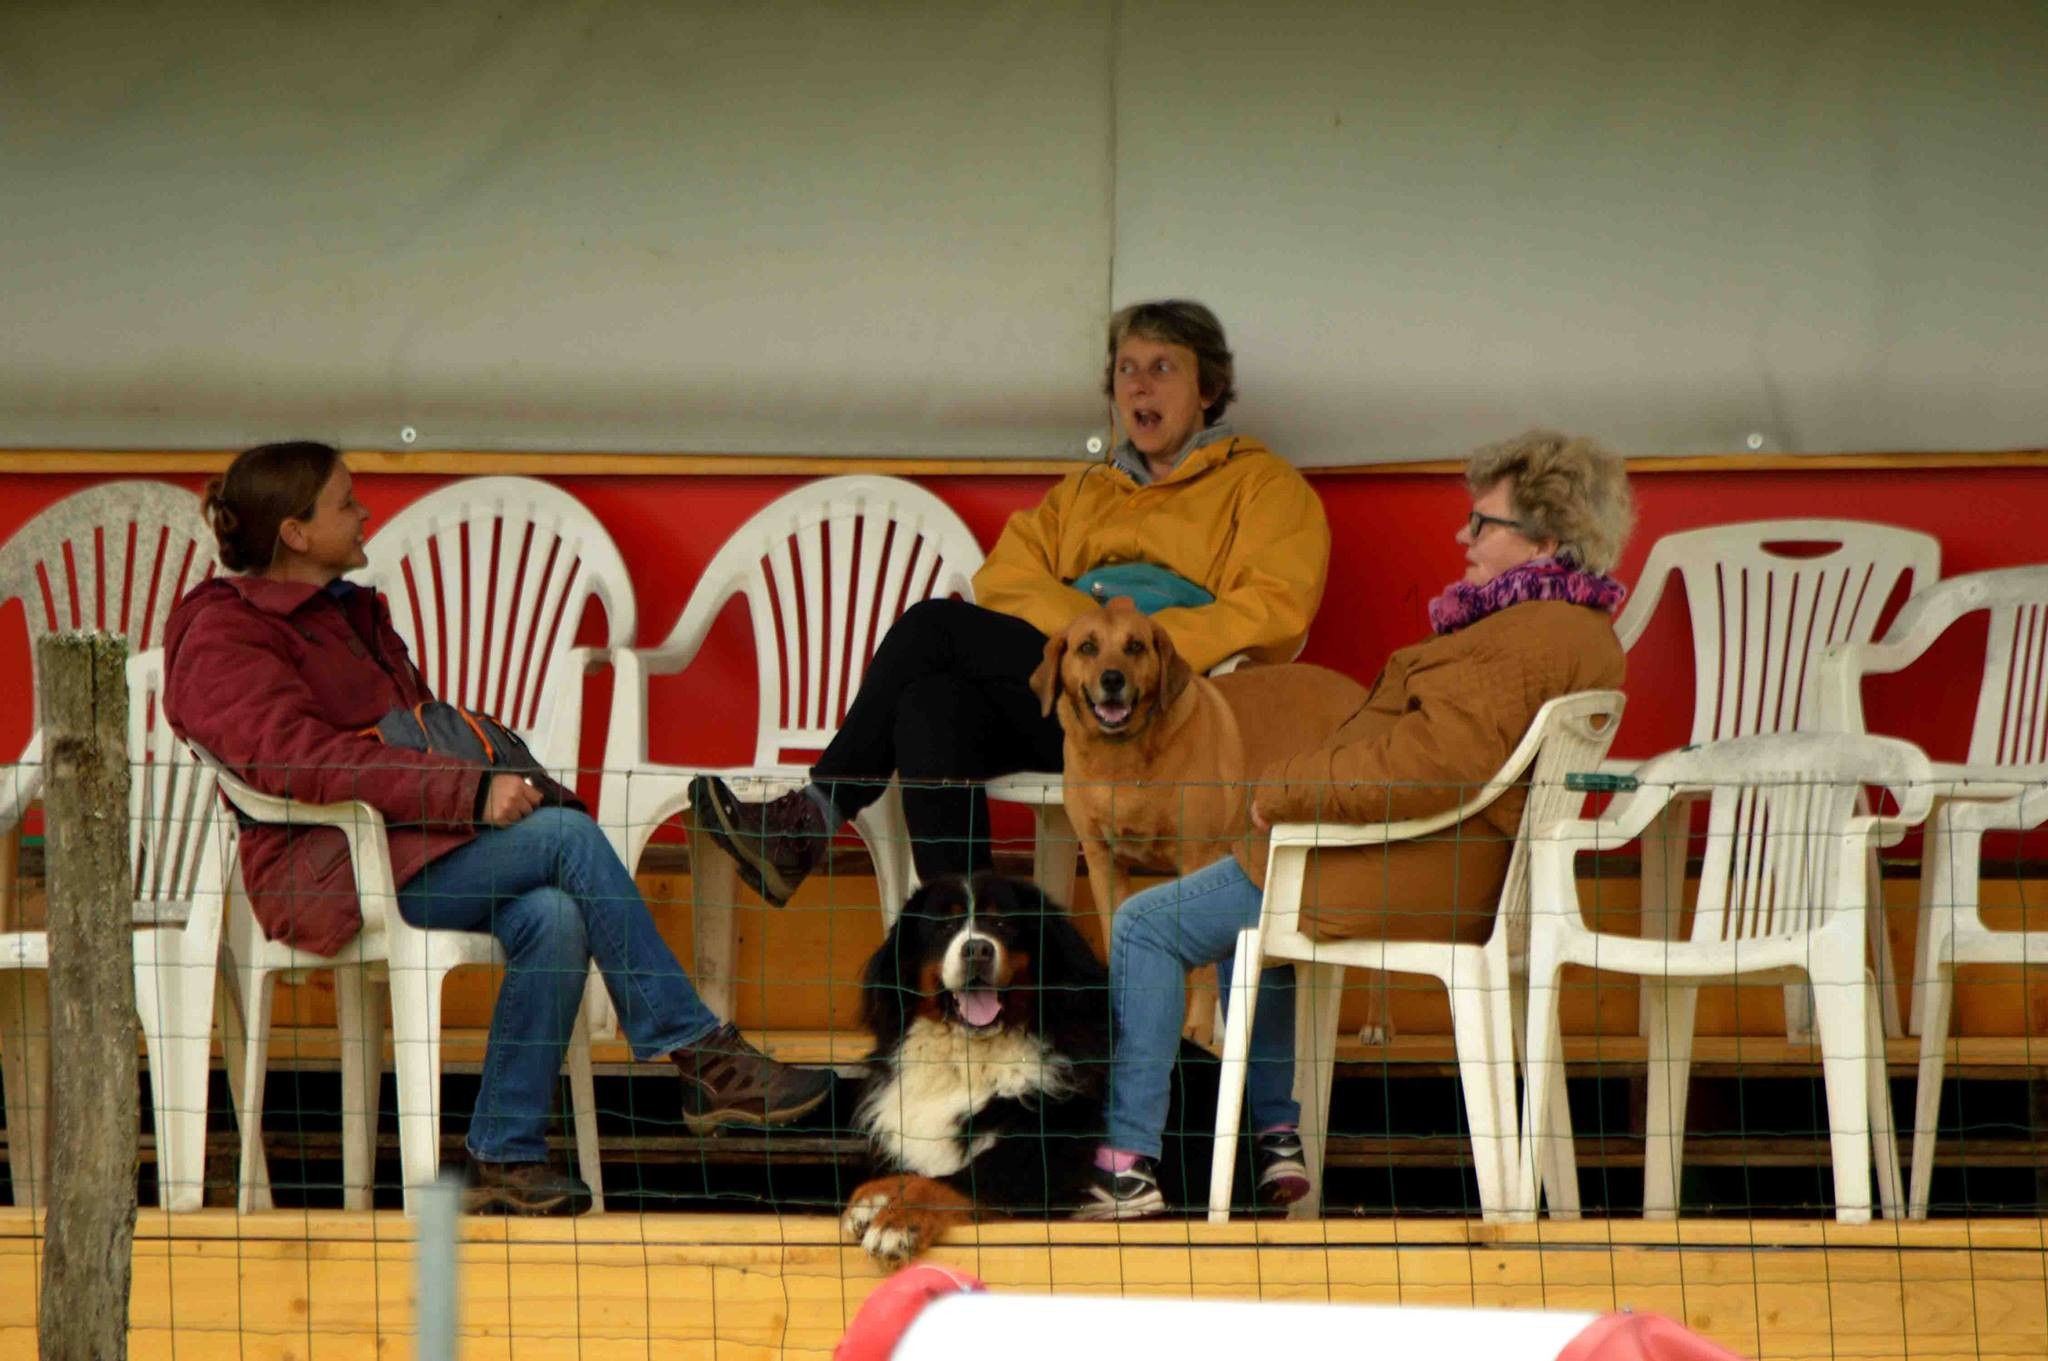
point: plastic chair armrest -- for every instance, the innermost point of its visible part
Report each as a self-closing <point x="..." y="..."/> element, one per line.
<point x="276" y="808"/>
<point x="1329" y="835"/>
<point x="363" y="826"/>
<point x="1626" y="818"/>
<point x="20" y="786"/>
<point x="680" y="648"/>
<point x="1927" y="614"/>
<point x="591" y="658"/>
<point x="1966" y="782"/>
<point x="1324" y="835"/>
<point x="1989" y="799"/>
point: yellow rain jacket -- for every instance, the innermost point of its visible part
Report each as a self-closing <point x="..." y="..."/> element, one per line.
<point x="1232" y="517"/>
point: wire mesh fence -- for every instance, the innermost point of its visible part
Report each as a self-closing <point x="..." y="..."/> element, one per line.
<point x="1782" y="993"/>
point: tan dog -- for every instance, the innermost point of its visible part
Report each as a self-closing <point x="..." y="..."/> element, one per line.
<point x="1159" y="760"/>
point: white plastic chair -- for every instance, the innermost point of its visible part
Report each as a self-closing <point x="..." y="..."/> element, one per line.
<point x="1783" y="892"/>
<point x="2001" y="785"/>
<point x="1571" y="733"/>
<point x="176" y="845"/>
<point x="486" y="579"/>
<point x="388" y="955"/>
<point x="1761" y="618"/>
<point x="113" y="557"/>
<point x="825" y="569"/>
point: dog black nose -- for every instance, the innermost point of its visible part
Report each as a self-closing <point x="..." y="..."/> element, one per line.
<point x="1111" y="681"/>
<point x="978" y="956"/>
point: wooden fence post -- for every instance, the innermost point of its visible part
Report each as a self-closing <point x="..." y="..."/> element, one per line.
<point x="89" y="1230"/>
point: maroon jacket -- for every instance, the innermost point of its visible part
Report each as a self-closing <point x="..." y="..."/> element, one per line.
<point x="278" y="680"/>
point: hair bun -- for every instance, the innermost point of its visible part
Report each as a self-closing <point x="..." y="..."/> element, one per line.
<point x="261" y="489"/>
<point x="216" y="509"/>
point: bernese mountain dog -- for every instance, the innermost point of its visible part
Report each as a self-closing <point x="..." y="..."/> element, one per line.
<point x="992" y="1043"/>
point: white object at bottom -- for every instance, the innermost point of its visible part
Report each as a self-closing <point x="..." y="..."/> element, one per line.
<point x="990" y="1327"/>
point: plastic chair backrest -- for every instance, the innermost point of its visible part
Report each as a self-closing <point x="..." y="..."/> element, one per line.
<point x="177" y="825"/>
<point x="1570" y="733"/>
<point x="486" y="580"/>
<point x="1788" y="848"/>
<point x="2011" y="726"/>
<point x="826" y="570"/>
<point x="113" y="557"/>
<point x="1761" y="617"/>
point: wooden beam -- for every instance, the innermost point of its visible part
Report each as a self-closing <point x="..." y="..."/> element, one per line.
<point x="338" y="1286"/>
<point x="1712" y="1055"/>
<point x="477" y="463"/>
<point x="93" y="1100"/>
<point x="643" y="1231"/>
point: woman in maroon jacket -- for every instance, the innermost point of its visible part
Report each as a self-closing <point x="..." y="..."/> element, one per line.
<point x="277" y="671"/>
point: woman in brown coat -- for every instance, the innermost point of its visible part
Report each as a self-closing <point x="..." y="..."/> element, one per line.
<point x="1529" y="621"/>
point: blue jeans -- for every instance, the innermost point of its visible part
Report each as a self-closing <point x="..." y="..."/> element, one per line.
<point x="553" y="892"/>
<point x="1157" y="937"/>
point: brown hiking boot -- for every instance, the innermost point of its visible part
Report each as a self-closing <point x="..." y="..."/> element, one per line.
<point x="523" y="1189"/>
<point x="727" y="1081"/>
<point x="776" y="844"/>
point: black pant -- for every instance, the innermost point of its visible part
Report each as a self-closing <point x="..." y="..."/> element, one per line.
<point x="945" y="704"/>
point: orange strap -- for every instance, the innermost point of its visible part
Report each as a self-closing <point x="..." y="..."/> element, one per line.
<point x="490" y="749"/>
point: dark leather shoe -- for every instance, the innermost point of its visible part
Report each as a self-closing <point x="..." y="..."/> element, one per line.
<point x="775" y="844"/>
<point x="727" y="1081"/>
<point x="523" y="1189"/>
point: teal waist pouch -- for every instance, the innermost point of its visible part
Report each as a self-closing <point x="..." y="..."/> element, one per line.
<point x="1152" y="588"/>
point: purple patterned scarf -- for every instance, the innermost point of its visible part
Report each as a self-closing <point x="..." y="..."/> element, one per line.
<point x="1462" y="603"/>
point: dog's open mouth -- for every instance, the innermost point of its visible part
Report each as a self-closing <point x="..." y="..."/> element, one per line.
<point x="979" y="1008"/>
<point x="1111" y="714"/>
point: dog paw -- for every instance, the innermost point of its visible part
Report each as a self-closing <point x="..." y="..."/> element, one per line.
<point x="1375" y="1036"/>
<point x="894" y="1240"/>
<point x="861" y="1213"/>
<point x="896" y="1218"/>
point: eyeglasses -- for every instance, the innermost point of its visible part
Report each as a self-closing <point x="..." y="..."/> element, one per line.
<point x="1476" y="523"/>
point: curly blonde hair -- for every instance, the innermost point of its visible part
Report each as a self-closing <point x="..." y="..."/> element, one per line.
<point x="1561" y="487"/>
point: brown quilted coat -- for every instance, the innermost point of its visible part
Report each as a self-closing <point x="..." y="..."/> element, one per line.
<point x="1440" y="721"/>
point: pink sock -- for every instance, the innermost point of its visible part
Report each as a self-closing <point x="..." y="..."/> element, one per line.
<point x="1115" y="1159"/>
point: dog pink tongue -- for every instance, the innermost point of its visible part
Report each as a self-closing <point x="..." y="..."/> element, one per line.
<point x="979" y="1006"/>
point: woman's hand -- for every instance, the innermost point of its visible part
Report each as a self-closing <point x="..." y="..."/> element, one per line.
<point x="511" y="798"/>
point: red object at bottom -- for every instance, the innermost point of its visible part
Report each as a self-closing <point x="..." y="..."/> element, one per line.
<point x="895" y="1304"/>
<point x="1641" y="1337"/>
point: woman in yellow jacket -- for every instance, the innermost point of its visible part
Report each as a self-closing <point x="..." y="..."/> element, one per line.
<point x="1229" y="531"/>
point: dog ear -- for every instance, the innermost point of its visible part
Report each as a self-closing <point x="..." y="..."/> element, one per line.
<point x="1045" y="681"/>
<point x="1174" y="671"/>
<point x="885" y="996"/>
